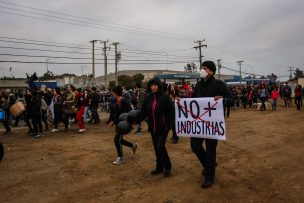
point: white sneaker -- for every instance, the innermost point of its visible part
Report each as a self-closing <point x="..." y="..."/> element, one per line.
<point x="81" y="130"/>
<point x="54" y="130"/>
<point x="119" y="160"/>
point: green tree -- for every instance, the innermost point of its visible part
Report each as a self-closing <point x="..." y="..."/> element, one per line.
<point x="49" y="75"/>
<point x="138" y="78"/>
<point x="126" y="81"/>
<point x="111" y="84"/>
<point x="298" y="74"/>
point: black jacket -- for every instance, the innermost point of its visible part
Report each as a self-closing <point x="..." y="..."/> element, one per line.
<point x="210" y="88"/>
<point x="36" y="105"/>
<point x="122" y="107"/>
<point x="94" y="100"/>
<point x="159" y="121"/>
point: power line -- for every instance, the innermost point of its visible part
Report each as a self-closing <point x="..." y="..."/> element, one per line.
<point x="44" y="50"/>
<point x="79" y="63"/>
<point x="142" y="52"/>
<point x="110" y="23"/>
<point x="49" y="45"/>
<point x="31" y="40"/>
<point x="87" y="24"/>
<point x="66" y="57"/>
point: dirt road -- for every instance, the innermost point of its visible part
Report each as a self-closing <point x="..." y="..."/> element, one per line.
<point x="261" y="161"/>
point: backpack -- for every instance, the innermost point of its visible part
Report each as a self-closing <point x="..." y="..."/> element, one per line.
<point x="134" y="99"/>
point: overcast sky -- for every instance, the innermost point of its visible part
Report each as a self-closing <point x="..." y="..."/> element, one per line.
<point x="266" y="34"/>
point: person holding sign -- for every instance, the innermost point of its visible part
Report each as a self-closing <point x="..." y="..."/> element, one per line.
<point x="208" y="86"/>
<point x="158" y="108"/>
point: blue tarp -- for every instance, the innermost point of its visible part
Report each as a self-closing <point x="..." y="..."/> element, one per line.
<point x="51" y="85"/>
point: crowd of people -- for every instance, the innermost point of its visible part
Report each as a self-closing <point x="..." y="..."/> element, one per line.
<point x="259" y="94"/>
<point x="51" y="107"/>
<point x="45" y="109"/>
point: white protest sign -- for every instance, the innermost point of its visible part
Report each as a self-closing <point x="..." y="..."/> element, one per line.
<point x="200" y="117"/>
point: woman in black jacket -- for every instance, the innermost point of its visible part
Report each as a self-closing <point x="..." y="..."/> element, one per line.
<point x="157" y="107"/>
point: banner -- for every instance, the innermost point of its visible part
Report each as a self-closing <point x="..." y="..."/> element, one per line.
<point x="200" y="117"/>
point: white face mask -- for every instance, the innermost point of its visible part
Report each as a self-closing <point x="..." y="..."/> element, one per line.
<point x="203" y="73"/>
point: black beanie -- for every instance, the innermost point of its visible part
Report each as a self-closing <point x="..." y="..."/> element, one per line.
<point x="210" y="65"/>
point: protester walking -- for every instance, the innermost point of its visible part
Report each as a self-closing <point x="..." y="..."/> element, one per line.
<point x="79" y="107"/>
<point x="121" y="106"/>
<point x="274" y="97"/>
<point x="208" y="87"/>
<point x="298" y="96"/>
<point x="158" y="108"/>
<point x="68" y="104"/>
<point x="58" y="108"/>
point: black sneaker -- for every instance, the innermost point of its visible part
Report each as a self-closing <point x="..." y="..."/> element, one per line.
<point x="7" y="132"/>
<point x="207" y="184"/>
<point x="167" y="173"/>
<point x="29" y="132"/>
<point x="156" y="172"/>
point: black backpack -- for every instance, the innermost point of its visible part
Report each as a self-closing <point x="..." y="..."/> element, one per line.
<point x="134" y="99"/>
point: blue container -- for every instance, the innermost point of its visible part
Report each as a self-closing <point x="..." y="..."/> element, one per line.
<point x="2" y="115"/>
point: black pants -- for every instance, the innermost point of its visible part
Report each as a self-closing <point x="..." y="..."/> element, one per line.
<point x="119" y="141"/>
<point x="27" y="121"/>
<point x="244" y="101"/>
<point x="6" y="125"/>
<point x="5" y="122"/>
<point x="95" y="116"/>
<point x="66" y="120"/>
<point x="58" y="117"/>
<point x="36" y="121"/>
<point x="206" y="157"/>
<point x="174" y="135"/>
<point x="226" y="111"/>
<point x="298" y="101"/>
<point x="263" y="107"/>
<point x="162" y="158"/>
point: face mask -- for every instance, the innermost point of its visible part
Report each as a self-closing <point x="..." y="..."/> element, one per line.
<point x="203" y="73"/>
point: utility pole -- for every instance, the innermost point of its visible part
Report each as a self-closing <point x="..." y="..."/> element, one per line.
<point x="105" y="61"/>
<point x="47" y="65"/>
<point x="116" y="61"/>
<point x="200" y="45"/>
<point x="240" y="64"/>
<point x="93" y="57"/>
<point x="290" y="72"/>
<point x="82" y="70"/>
<point x="219" y="65"/>
<point x="2" y="72"/>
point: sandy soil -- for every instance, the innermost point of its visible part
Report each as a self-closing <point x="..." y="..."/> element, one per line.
<point x="261" y="161"/>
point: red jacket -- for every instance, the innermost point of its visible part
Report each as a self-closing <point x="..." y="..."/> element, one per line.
<point x="274" y="95"/>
